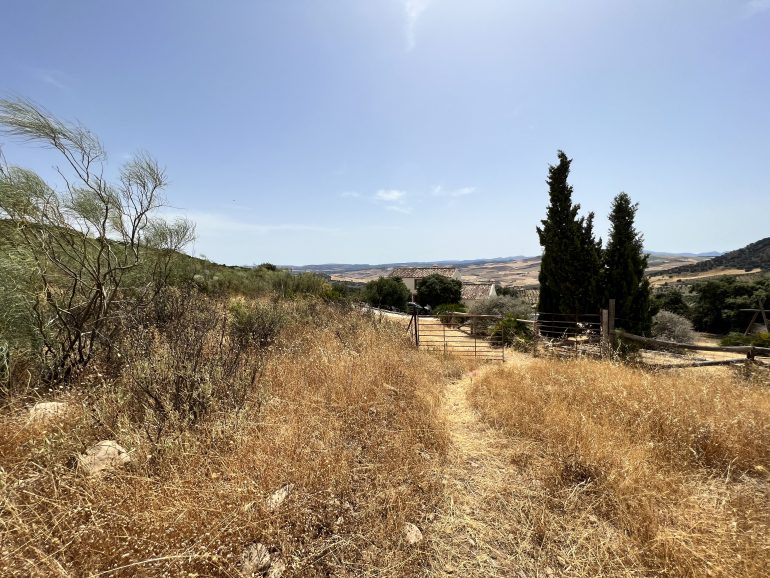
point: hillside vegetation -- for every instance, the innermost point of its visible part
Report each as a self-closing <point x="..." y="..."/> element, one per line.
<point x="634" y="473"/>
<point x="221" y="405"/>
<point x="753" y="256"/>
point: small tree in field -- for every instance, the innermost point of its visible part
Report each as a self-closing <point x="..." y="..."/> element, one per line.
<point x="386" y="292"/>
<point x="438" y="290"/>
<point x="86" y="241"/>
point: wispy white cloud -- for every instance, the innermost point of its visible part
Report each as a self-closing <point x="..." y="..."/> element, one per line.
<point x="51" y="77"/>
<point x="757" y="6"/>
<point x="389" y="199"/>
<point x="413" y="10"/>
<point x="393" y="200"/>
<point x="390" y="195"/>
<point x="439" y="191"/>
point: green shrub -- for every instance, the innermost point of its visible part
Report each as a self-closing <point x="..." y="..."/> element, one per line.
<point x="672" y="327"/>
<point x="502" y="306"/>
<point x="446" y="313"/>
<point x="511" y="332"/>
<point x="737" y="339"/>
<point x="253" y="323"/>
<point x="671" y="300"/>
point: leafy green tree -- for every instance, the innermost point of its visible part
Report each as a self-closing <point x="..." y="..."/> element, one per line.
<point x="624" y="266"/>
<point x="438" y="290"/>
<point x="718" y="305"/>
<point x="672" y="301"/>
<point x="386" y="292"/>
<point x="569" y="270"/>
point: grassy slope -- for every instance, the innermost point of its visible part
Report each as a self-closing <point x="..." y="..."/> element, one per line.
<point x="637" y="474"/>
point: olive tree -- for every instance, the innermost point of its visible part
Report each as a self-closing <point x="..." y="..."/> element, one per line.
<point x="438" y="289"/>
<point x="90" y="241"/>
<point x="386" y="292"/>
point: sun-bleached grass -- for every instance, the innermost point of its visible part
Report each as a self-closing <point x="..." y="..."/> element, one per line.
<point x="343" y="409"/>
<point x="636" y="473"/>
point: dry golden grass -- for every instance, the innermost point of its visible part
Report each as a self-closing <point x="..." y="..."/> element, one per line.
<point x="344" y="410"/>
<point x="633" y="473"/>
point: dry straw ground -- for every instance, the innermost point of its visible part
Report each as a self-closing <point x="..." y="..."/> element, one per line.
<point x="343" y="410"/>
<point x="628" y="473"/>
<point x="536" y="467"/>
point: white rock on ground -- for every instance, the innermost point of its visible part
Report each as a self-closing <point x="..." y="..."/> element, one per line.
<point x="277" y="568"/>
<point x="278" y="497"/>
<point x="255" y="559"/>
<point x="412" y="533"/>
<point x="47" y="410"/>
<point x="105" y="455"/>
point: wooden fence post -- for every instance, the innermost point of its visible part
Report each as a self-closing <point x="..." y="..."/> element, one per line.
<point x="605" y="333"/>
<point x="611" y="323"/>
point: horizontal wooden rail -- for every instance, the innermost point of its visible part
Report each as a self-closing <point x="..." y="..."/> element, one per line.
<point x="749" y="350"/>
<point x="696" y="364"/>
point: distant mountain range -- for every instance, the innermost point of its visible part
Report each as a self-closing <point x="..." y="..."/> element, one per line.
<point x="339" y="268"/>
<point x="522" y="269"/>
<point x="332" y="268"/>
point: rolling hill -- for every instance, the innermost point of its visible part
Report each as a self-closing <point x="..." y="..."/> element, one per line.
<point x="752" y="257"/>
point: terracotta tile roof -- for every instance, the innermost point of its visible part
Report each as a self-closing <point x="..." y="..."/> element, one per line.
<point x="472" y="291"/>
<point x="420" y="272"/>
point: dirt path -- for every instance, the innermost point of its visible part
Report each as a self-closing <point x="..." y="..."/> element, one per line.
<point x="479" y="531"/>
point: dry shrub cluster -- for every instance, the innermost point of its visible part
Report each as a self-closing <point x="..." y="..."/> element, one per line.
<point x="634" y="473"/>
<point x="333" y="406"/>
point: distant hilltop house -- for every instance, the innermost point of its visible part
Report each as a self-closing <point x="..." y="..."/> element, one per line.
<point x="410" y="275"/>
<point x="477" y="291"/>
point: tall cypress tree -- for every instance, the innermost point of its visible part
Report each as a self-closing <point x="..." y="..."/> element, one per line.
<point x="590" y="270"/>
<point x="570" y="266"/>
<point x="624" y="265"/>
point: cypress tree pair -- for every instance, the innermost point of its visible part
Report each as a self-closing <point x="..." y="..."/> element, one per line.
<point x="576" y="275"/>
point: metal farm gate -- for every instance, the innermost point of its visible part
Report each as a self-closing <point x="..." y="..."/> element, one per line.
<point x="461" y="334"/>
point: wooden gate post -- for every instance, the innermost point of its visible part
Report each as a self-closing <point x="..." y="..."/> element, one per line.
<point x="605" y="346"/>
<point x="611" y="323"/>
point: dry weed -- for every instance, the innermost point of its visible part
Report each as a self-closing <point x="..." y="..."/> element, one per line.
<point x="343" y="412"/>
<point x="640" y="473"/>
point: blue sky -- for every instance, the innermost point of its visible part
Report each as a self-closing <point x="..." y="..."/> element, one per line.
<point x="369" y="131"/>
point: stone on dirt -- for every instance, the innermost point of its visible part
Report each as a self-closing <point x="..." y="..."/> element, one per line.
<point x="278" y="497"/>
<point x="47" y="410"/>
<point x="255" y="560"/>
<point x="103" y="456"/>
<point x="412" y="533"/>
<point x="277" y="568"/>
